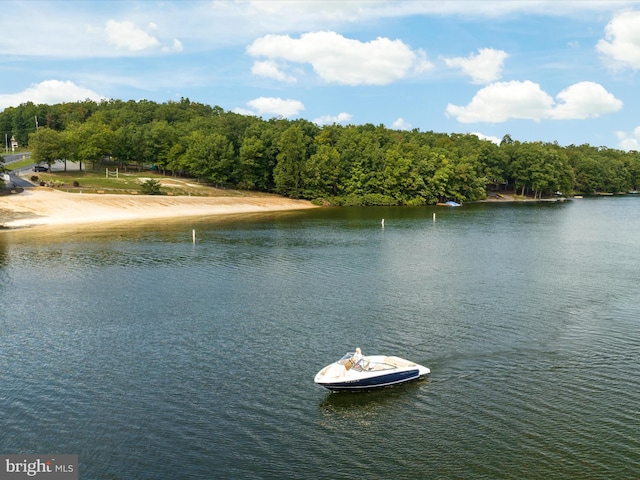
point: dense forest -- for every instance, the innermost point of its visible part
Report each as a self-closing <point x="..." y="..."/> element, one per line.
<point x="336" y="164"/>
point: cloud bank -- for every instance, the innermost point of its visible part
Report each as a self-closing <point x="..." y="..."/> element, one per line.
<point x="630" y="141"/>
<point x="338" y="60"/>
<point x="331" y="119"/>
<point x="49" y="92"/>
<point x="272" y="106"/>
<point x="502" y="101"/>
<point x="621" y="46"/>
<point x="483" y="68"/>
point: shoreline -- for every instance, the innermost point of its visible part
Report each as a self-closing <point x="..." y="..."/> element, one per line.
<point x="41" y="206"/>
<point x="511" y="198"/>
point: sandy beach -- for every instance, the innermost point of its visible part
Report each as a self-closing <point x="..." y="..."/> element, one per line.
<point x="42" y="206"/>
<point x="46" y="207"/>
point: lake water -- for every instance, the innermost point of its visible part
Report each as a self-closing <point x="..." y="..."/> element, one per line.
<point x="154" y="358"/>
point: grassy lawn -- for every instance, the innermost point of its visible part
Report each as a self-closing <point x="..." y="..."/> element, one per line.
<point x="129" y="183"/>
<point x="19" y="164"/>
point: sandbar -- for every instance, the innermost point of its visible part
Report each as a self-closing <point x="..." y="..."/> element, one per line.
<point x="42" y="206"/>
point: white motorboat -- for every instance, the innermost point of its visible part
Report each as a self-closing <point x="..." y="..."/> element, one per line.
<point x="354" y="373"/>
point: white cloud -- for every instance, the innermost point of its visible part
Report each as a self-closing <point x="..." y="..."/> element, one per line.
<point x="630" y="141"/>
<point x="483" y="68"/>
<point x="49" y="92"/>
<point x="493" y="139"/>
<point x="175" y="47"/>
<point x="331" y="119"/>
<point x="275" y="106"/>
<point x="287" y="15"/>
<point x="502" y="101"/>
<point x="244" y="111"/>
<point x="585" y="100"/>
<point x="622" y="44"/>
<point x="230" y="22"/>
<point x="401" y="124"/>
<point x="269" y="69"/>
<point x="126" y="36"/>
<point x="80" y="30"/>
<point x="344" y="61"/>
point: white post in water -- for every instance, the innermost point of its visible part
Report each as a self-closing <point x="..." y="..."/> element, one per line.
<point x="434" y="218"/>
<point x="383" y="223"/>
<point x="193" y="235"/>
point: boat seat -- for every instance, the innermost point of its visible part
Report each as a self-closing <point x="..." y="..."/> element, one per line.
<point x="398" y="362"/>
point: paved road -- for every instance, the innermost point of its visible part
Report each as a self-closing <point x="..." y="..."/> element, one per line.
<point x="14" y="179"/>
<point x="14" y="157"/>
<point x="27" y="170"/>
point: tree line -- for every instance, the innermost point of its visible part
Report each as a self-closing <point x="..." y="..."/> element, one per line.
<point x="335" y="164"/>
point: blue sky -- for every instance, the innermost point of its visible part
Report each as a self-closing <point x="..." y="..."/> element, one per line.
<point x="565" y="71"/>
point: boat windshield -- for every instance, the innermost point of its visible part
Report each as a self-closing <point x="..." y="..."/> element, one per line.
<point x="348" y="362"/>
<point x="346" y="358"/>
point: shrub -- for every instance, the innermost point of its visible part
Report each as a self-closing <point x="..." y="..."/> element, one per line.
<point x="416" y="202"/>
<point x="151" y="187"/>
<point x="378" y="199"/>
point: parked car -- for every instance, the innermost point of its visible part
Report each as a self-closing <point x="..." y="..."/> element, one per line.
<point x="40" y="168"/>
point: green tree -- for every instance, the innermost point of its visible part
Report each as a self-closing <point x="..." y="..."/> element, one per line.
<point x="223" y="161"/>
<point x="196" y="157"/>
<point x="209" y="156"/>
<point x="47" y="145"/>
<point x="351" y="177"/>
<point x="469" y="183"/>
<point x="250" y="172"/>
<point x="127" y="145"/>
<point x="159" y="138"/>
<point x="291" y="158"/>
<point x="88" y="142"/>
<point x="320" y="173"/>
<point x="402" y="182"/>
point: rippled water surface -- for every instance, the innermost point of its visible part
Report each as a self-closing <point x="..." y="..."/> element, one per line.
<point x="153" y="357"/>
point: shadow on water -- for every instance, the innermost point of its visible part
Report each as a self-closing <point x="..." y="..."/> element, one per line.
<point x="371" y="400"/>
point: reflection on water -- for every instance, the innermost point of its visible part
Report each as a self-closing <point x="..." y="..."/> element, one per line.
<point x="370" y="401"/>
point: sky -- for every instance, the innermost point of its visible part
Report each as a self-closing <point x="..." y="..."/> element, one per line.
<point x="550" y="71"/>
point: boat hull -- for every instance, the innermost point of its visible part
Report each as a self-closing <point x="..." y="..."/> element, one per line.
<point x="378" y="381"/>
